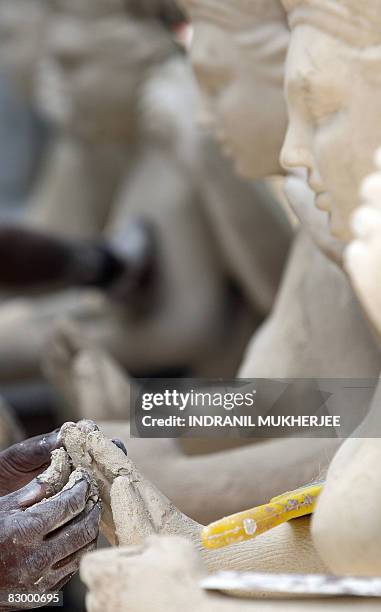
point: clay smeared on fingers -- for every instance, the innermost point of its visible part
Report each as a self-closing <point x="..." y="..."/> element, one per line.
<point x="57" y="474"/>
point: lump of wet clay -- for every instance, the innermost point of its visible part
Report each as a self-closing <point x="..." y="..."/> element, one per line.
<point x="60" y="476"/>
<point x="57" y="475"/>
<point x="132" y="508"/>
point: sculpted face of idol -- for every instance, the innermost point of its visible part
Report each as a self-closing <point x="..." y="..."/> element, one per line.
<point x="239" y="66"/>
<point x="333" y="93"/>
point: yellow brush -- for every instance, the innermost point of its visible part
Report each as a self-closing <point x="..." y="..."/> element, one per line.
<point x="251" y="523"/>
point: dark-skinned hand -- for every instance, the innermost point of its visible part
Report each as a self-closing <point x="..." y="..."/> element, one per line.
<point x="29" y="551"/>
<point x="22" y="462"/>
<point x="122" y="269"/>
<point x="41" y="545"/>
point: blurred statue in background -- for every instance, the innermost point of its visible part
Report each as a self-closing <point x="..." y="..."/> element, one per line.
<point x="76" y="190"/>
<point x="95" y="124"/>
<point x="23" y="135"/>
<point x="238" y="52"/>
<point x="63" y="197"/>
<point x="86" y="368"/>
<point x="23" y="25"/>
<point x="123" y="86"/>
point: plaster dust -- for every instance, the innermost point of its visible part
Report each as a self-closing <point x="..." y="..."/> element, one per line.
<point x="134" y="509"/>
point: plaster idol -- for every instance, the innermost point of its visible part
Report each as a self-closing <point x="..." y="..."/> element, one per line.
<point x="102" y="86"/>
<point x="22" y="34"/>
<point x="237" y="50"/>
<point x="331" y="77"/>
<point x="238" y="53"/>
<point x="332" y="90"/>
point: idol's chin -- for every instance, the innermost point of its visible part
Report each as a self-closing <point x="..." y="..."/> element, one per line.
<point x="338" y="230"/>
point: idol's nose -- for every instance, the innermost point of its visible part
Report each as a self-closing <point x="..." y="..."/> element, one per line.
<point x="296" y="153"/>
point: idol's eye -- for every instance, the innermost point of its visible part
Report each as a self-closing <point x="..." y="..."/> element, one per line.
<point x="322" y="113"/>
<point x="323" y="103"/>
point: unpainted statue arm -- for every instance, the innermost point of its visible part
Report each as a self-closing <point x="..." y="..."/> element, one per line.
<point x="211" y="485"/>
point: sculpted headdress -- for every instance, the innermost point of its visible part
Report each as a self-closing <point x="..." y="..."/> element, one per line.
<point x="358" y="22"/>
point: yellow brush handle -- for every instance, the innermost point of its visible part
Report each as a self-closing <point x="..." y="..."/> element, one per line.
<point x="251" y="523"/>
